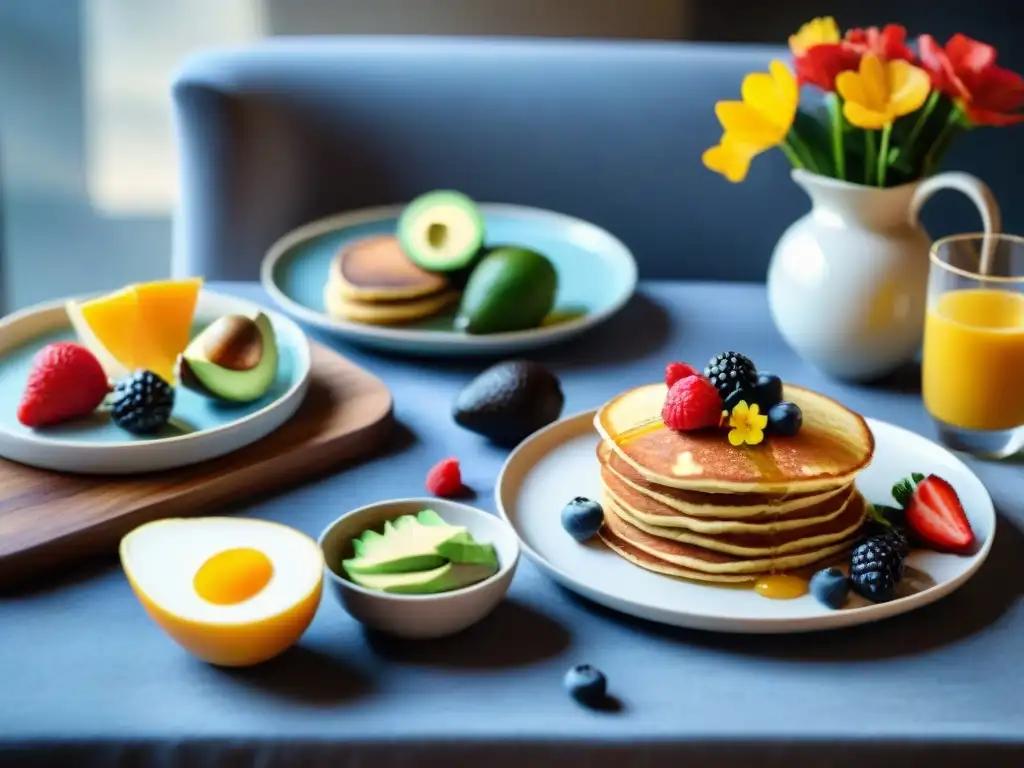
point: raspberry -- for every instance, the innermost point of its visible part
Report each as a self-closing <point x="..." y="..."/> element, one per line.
<point x="676" y="371"/>
<point x="445" y="478"/>
<point x="66" y="382"/>
<point x="692" y="403"/>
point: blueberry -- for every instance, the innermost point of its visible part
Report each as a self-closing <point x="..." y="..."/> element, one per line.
<point x="831" y="587"/>
<point x="734" y="397"/>
<point x="581" y="518"/>
<point x="587" y="685"/>
<point x="785" y="419"/>
<point x="767" y="391"/>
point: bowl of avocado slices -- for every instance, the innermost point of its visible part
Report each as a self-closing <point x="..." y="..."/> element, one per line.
<point x="419" y="568"/>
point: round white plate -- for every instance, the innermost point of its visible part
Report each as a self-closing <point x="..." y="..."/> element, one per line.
<point x="559" y="462"/>
<point x="200" y="429"/>
<point x="596" y="276"/>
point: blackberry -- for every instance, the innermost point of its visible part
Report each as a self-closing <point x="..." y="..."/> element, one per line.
<point x="730" y="371"/>
<point x="142" y="403"/>
<point x="876" y="566"/>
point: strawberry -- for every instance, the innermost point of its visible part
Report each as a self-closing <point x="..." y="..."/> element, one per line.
<point x="937" y="517"/>
<point x="66" y="382"/>
<point x="445" y="478"/>
<point x="678" y="371"/>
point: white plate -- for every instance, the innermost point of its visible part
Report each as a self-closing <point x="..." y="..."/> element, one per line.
<point x="559" y="462"/>
<point x="200" y="429"/>
<point x="596" y="273"/>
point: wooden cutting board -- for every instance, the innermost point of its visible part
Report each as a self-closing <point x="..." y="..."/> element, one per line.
<point x="49" y="519"/>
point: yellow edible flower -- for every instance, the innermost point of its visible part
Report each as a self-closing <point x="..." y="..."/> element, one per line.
<point x="881" y="91"/>
<point x="747" y="424"/>
<point x="759" y="122"/>
<point x="815" y="32"/>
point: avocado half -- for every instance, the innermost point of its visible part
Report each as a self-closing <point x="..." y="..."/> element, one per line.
<point x="234" y="359"/>
<point x="442" y="231"/>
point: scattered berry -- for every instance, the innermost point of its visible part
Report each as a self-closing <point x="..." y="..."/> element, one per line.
<point x="876" y="567"/>
<point x="677" y="371"/>
<point x="692" y="403"/>
<point x="587" y="685"/>
<point x="66" y="382"/>
<point x="767" y="391"/>
<point x="735" y="398"/>
<point x="142" y="403"/>
<point x="785" y="419"/>
<point x="581" y="518"/>
<point x="936" y="517"/>
<point x="729" y="371"/>
<point x="445" y="478"/>
<point x="830" y="587"/>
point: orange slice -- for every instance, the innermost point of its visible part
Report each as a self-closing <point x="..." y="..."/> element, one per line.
<point x="108" y="327"/>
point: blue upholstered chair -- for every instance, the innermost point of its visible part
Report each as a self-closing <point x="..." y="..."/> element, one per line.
<point x="289" y="130"/>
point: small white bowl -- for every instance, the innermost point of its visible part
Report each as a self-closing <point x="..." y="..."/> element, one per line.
<point x="419" y="616"/>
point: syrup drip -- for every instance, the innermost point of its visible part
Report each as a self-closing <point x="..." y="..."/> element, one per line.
<point x="781" y="586"/>
<point x="639" y="430"/>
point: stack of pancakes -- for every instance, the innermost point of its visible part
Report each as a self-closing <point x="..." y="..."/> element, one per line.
<point x="689" y="504"/>
<point x="373" y="281"/>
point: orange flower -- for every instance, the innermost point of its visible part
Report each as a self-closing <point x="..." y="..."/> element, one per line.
<point x="890" y="42"/>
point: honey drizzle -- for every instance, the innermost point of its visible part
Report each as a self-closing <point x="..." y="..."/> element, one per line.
<point x="641" y="429"/>
<point x="781" y="586"/>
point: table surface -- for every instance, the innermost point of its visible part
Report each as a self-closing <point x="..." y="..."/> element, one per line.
<point x="81" y="664"/>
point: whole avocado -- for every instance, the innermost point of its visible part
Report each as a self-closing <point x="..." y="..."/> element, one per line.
<point x="509" y="289"/>
<point x="509" y="401"/>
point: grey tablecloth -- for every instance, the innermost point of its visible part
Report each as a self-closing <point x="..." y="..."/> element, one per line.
<point x="86" y="679"/>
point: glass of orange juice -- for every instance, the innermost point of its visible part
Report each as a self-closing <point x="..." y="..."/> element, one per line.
<point x="973" y="364"/>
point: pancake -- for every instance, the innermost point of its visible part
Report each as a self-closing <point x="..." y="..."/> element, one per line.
<point x="833" y="445"/>
<point x="659" y="554"/>
<point x="376" y="269"/>
<point x="651" y="510"/>
<point x="752" y="507"/>
<point x="844" y="522"/>
<point x="386" y="313"/>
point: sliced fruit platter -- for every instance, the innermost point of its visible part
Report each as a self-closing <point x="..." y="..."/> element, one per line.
<point x="152" y="376"/>
<point x="445" y="274"/>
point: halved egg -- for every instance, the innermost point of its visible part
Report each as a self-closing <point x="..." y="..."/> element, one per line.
<point x="232" y="591"/>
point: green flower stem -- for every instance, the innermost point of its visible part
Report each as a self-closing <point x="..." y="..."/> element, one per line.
<point x="791" y="155"/>
<point x="835" y="111"/>
<point x="883" y="154"/>
<point x="922" y="119"/>
<point x="870" y="156"/>
<point x="935" y="151"/>
<point x="803" y="151"/>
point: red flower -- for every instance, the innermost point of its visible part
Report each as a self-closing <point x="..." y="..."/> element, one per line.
<point x="966" y="71"/>
<point x="890" y="43"/>
<point x="821" y="63"/>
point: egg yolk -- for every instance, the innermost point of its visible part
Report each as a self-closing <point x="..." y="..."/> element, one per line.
<point x="233" y="576"/>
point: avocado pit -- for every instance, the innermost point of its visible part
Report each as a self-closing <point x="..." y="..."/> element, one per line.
<point x="233" y="359"/>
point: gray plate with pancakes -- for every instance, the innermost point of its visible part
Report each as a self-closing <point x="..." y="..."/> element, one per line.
<point x="689" y="559"/>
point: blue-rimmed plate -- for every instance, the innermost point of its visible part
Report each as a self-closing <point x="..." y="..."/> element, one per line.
<point x="200" y="429"/>
<point x="596" y="277"/>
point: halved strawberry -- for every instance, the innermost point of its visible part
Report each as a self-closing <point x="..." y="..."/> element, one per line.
<point x="937" y="517"/>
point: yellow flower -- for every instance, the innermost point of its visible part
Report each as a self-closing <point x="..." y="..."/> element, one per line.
<point x="881" y="91"/>
<point x="815" y="32"/>
<point x="747" y="424"/>
<point x="759" y="122"/>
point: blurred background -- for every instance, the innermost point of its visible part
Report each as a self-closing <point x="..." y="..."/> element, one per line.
<point x="87" y="157"/>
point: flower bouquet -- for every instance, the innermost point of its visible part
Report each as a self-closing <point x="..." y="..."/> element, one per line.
<point x="890" y="113"/>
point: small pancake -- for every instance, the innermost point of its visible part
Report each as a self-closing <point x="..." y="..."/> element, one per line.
<point x="750" y="507"/>
<point x="386" y="313"/>
<point x="705" y="563"/>
<point x="653" y="510"/>
<point x="377" y="269"/>
<point x="769" y="541"/>
<point x="831" y="448"/>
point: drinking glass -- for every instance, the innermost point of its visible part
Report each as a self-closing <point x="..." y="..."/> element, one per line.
<point x="973" y="364"/>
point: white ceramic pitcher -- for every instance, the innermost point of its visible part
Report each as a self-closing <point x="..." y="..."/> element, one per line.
<point x="847" y="282"/>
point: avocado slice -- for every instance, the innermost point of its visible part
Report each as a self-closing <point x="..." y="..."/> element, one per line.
<point x="511" y="289"/>
<point x="441" y="579"/>
<point x="441" y="231"/>
<point x="233" y="359"/>
<point x="409" y="543"/>
<point x="509" y="401"/>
